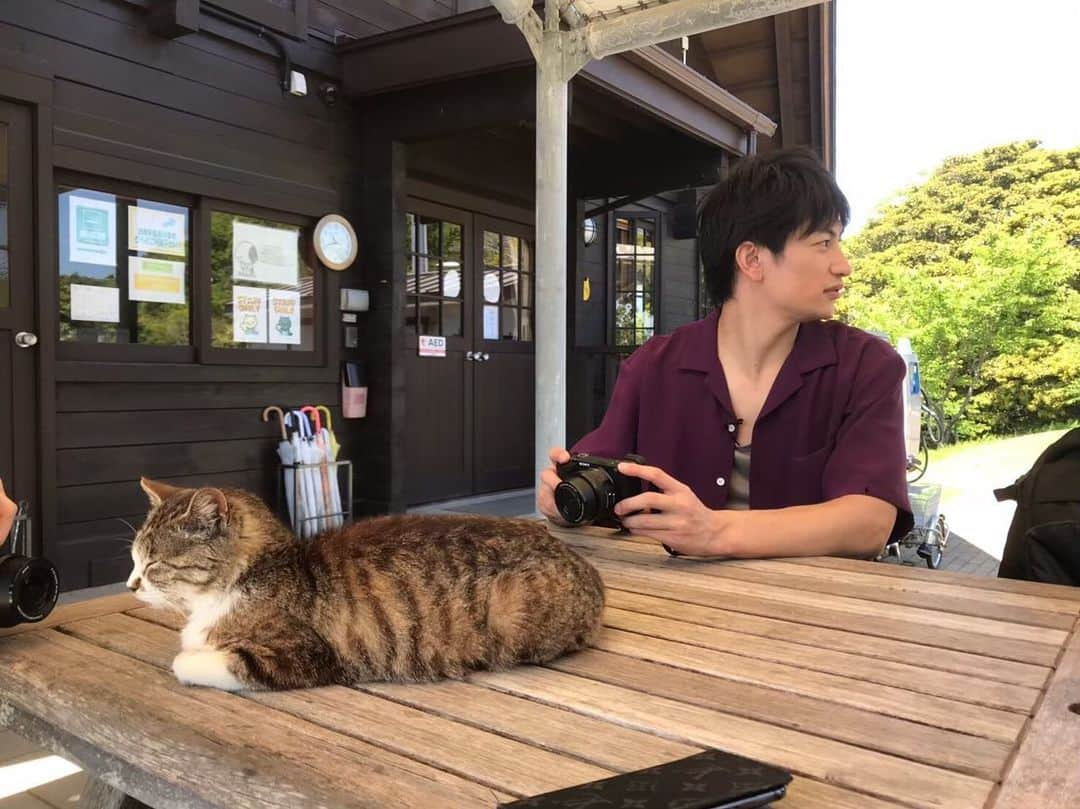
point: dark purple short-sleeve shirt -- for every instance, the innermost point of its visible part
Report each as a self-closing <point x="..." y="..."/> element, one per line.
<point x="832" y="424"/>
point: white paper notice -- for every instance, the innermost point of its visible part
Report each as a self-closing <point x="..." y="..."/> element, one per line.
<point x="249" y="315"/>
<point x="284" y="316"/>
<point x="99" y="304"/>
<point x="156" y="280"/>
<point x="154" y="231"/>
<point x="265" y="255"/>
<point x="92" y="231"/>
<point x="491" y="322"/>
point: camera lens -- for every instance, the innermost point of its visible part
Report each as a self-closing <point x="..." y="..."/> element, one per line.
<point x="28" y="589"/>
<point x="584" y="496"/>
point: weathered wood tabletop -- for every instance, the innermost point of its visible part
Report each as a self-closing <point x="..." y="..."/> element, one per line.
<point x="878" y="686"/>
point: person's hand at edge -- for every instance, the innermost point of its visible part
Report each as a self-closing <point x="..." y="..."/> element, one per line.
<point x="8" y="510"/>
<point x="545" y="495"/>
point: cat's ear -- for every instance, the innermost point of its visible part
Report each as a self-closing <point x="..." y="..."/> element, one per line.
<point x="209" y="505"/>
<point x="157" y="491"/>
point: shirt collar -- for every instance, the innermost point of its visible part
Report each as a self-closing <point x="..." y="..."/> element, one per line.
<point x="812" y="350"/>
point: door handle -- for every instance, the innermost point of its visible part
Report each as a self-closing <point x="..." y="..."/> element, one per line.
<point x="486" y="356"/>
<point x="470" y="356"/>
<point x="26" y="339"/>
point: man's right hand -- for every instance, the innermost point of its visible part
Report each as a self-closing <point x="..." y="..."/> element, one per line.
<point x="545" y="495"/>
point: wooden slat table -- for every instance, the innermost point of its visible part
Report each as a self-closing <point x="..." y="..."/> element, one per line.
<point x="879" y="687"/>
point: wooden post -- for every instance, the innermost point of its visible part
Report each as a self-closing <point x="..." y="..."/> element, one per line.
<point x="99" y="795"/>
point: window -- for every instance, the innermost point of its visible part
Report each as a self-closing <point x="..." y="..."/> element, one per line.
<point x="150" y="275"/>
<point x="507" y="288"/>
<point x="262" y="292"/>
<point x="124" y="268"/>
<point x="635" y="279"/>
<point x="434" y="281"/>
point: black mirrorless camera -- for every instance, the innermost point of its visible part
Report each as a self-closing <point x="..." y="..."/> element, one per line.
<point x="591" y="486"/>
<point x="29" y="586"/>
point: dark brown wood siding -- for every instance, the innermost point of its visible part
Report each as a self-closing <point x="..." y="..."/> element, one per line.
<point x="356" y="19"/>
<point x="201" y="115"/>
<point x="593" y="361"/>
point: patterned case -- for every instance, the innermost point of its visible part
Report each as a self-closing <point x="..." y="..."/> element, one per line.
<point x="714" y="779"/>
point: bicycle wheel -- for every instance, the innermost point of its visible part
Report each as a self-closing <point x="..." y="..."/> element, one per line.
<point x="932" y="427"/>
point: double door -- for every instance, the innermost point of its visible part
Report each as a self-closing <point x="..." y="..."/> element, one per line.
<point x="18" y="338"/>
<point x="469" y="414"/>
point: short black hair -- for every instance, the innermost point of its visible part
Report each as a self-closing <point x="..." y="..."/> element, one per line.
<point x="765" y="200"/>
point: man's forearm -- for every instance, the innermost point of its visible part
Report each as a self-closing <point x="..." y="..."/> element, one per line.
<point x="853" y="525"/>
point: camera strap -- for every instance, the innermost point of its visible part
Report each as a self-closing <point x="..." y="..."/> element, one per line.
<point x="19" y="531"/>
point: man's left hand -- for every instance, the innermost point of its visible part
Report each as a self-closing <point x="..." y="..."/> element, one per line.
<point x="675" y="516"/>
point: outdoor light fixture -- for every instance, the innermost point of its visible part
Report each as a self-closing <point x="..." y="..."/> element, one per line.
<point x="297" y="83"/>
<point x="590" y="230"/>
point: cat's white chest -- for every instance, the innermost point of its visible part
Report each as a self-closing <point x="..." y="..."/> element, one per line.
<point x="205" y="613"/>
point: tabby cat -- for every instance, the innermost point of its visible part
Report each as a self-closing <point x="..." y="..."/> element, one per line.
<point x="405" y="598"/>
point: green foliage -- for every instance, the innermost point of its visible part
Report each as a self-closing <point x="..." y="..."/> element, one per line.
<point x="980" y="266"/>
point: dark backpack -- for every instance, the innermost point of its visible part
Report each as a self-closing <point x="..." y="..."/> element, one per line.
<point x="1044" y="537"/>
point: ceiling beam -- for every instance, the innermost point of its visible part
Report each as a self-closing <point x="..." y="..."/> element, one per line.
<point x="649" y="26"/>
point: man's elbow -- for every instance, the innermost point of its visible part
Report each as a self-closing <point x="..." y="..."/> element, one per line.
<point x="881" y="517"/>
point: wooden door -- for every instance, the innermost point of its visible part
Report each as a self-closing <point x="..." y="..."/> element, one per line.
<point x="503" y="361"/>
<point x="438" y="400"/>
<point x="18" y="334"/>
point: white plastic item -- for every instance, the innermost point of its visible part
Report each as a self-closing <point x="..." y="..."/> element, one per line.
<point x="912" y="396"/>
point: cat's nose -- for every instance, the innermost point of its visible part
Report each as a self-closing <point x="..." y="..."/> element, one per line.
<point x="133" y="583"/>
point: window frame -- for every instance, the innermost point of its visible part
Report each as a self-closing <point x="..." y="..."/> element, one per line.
<point x="524" y="233"/>
<point x="612" y="272"/>
<point x="457" y="216"/>
<point x="127" y="352"/>
<point x="201" y="351"/>
<point x="213" y="355"/>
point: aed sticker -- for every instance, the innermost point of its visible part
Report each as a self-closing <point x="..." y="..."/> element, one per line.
<point x="432" y="346"/>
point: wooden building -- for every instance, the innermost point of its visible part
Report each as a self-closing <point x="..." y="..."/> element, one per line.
<point x="144" y="141"/>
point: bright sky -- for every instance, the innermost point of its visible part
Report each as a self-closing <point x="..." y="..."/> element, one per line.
<point x="920" y="80"/>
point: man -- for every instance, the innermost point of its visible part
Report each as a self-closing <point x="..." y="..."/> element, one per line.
<point x="769" y="429"/>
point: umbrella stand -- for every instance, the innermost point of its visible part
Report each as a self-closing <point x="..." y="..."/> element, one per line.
<point x="307" y="524"/>
<point x="307" y="474"/>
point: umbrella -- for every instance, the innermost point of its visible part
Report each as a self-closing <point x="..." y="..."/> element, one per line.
<point x="307" y="484"/>
<point x="333" y="447"/>
<point x="329" y="422"/>
<point x="287" y="452"/>
<point x="326" y="489"/>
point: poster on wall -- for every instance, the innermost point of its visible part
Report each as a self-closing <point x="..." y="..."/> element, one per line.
<point x="249" y="315"/>
<point x="284" y="324"/>
<point x="156" y="280"/>
<point x="97" y="304"/>
<point x="151" y="230"/>
<point x="265" y="255"/>
<point x="92" y="231"/>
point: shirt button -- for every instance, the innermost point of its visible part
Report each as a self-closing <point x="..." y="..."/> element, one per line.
<point x="731" y="428"/>
<point x="720" y="481"/>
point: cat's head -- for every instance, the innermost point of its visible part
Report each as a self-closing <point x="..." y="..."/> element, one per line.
<point x="190" y="545"/>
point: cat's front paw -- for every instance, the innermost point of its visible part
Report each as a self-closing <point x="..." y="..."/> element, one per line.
<point x="206" y="666"/>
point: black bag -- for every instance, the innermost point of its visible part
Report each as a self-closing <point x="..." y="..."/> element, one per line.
<point x="1044" y="538"/>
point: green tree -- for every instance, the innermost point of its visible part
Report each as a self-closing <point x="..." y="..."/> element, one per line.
<point x="980" y="266"/>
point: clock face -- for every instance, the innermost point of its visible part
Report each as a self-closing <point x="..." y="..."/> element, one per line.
<point x="336" y="243"/>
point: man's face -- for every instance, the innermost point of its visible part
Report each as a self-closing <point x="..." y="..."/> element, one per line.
<point x="807" y="279"/>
